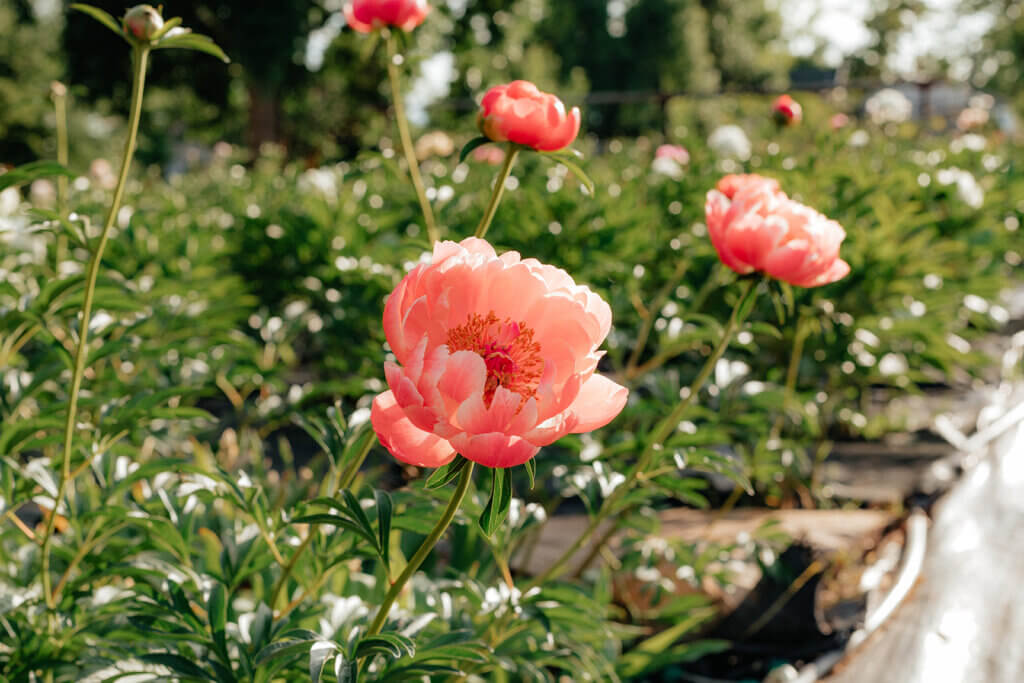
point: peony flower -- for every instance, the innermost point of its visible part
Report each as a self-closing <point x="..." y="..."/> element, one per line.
<point x="730" y="142"/>
<point x="496" y="357"/>
<point x="755" y="227"/>
<point x="518" y="112"/>
<point x="368" y="15"/>
<point x="787" y="110"/>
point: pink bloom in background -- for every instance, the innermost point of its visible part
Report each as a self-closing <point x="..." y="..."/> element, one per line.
<point x="490" y="154"/>
<point x="754" y="226"/>
<point x="787" y="110"/>
<point x="519" y="112"/>
<point x="367" y="15"/>
<point x="676" y="153"/>
<point x="496" y="357"/>
<point x="838" y="121"/>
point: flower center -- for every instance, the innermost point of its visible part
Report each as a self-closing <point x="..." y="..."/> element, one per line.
<point x="511" y="355"/>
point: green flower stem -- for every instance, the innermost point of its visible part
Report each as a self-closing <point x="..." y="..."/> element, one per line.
<point x="499" y="189"/>
<point x="406" y="138"/>
<point x="654" y="445"/>
<point x="60" y="106"/>
<point x="140" y="56"/>
<point x="421" y="554"/>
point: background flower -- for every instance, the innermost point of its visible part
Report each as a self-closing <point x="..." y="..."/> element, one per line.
<point x="519" y="112"/>
<point x="367" y="15"/>
<point x="755" y="226"/>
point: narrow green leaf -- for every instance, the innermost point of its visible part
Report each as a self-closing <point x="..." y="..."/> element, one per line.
<point x="391" y="645"/>
<point x="100" y="16"/>
<point x="358" y="514"/>
<point x="192" y="41"/>
<point x="33" y="170"/>
<point x="177" y="664"/>
<point x="478" y="141"/>
<point x="579" y="173"/>
<point x="217" y="609"/>
<point x="168" y="25"/>
<point x="445" y="474"/>
<point x="531" y="471"/>
<point x="284" y="648"/>
<point x="384" y="510"/>
<point x="497" y="506"/>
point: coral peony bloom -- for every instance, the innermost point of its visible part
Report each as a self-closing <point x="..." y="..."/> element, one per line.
<point x="496" y="358"/>
<point x="518" y="112"/>
<point x="787" y="110"/>
<point x="368" y="15"/>
<point x="755" y="226"/>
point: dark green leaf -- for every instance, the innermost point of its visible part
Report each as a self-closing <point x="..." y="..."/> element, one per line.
<point x="217" y="608"/>
<point x="471" y="145"/>
<point x="497" y="506"/>
<point x="384" y="510"/>
<point x="445" y="474"/>
<point x="391" y="645"/>
<point x="319" y="654"/>
<point x="178" y="664"/>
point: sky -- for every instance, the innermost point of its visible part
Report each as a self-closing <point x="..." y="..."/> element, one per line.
<point x="942" y="30"/>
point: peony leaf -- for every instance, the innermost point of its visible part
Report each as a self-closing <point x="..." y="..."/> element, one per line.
<point x="578" y="172"/>
<point x="479" y="141"/>
<point x="531" y="471"/>
<point x="497" y="506"/>
<point x="100" y="16"/>
<point x="443" y="475"/>
<point x="384" y="509"/>
<point x="186" y="40"/>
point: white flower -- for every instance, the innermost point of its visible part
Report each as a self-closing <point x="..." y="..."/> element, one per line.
<point x="967" y="188"/>
<point x="888" y="106"/>
<point x="731" y="142"/>
<point x="667" y="167"/>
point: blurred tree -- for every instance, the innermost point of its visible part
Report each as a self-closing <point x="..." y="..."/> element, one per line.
<point x="998" y="64"/>
<point x="29" y="61"/>
<point x="888" y="21"/>
<point x="262" y="39"/>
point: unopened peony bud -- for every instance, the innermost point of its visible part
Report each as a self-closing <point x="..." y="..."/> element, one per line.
<point x="142" y="22"/>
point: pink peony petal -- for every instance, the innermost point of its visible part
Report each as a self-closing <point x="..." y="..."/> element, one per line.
<point x="494" y="450"/>
<point x="403" y="439"/>
<point x="599" y="401"/>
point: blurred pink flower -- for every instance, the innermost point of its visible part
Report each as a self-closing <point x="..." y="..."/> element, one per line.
<point x="787" y="110"/>
<point x="519" y="112"/>
<point x="755" y="227"/>
<point x="496" y="357"/>
<point x="838" y="121"/>
<point x="368" y="15"/>
<point x="676" y="153"/>
<point x="490" y="154"/>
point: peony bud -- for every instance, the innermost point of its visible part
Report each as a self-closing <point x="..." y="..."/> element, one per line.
<point x="787" y="111"/>
<point x="518" y="112"/>
<point x="142" y="22"/>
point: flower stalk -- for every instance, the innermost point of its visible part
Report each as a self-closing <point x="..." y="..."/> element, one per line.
<point x="140" y="57"/>
<point x="421" y="553"/>
<point x="499" y="189"/>
<point x="406" y="139"/>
